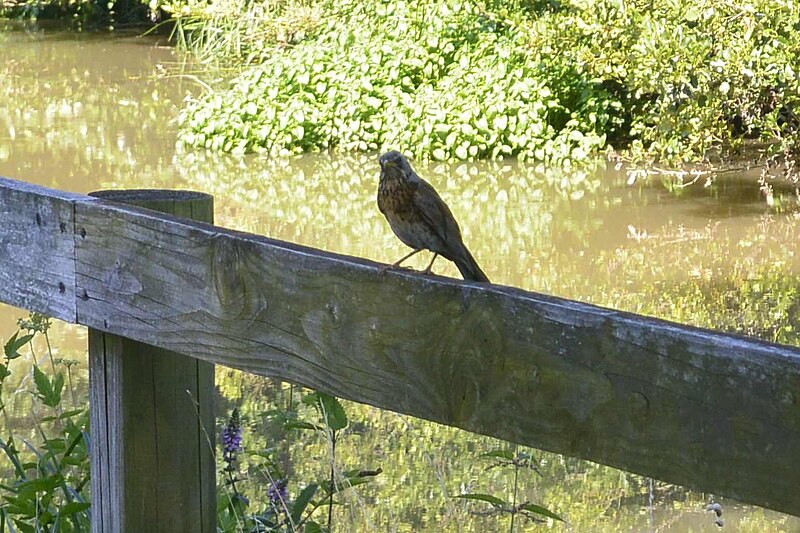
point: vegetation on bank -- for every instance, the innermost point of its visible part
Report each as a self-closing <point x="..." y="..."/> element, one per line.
<point x="82" y="14"/>
<point x="678" y="80"/>
<point x="44" y="465"/>
<point x="550" y="80"/>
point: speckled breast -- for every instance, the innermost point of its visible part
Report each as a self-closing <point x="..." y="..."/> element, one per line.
<point x="396" y="202"/>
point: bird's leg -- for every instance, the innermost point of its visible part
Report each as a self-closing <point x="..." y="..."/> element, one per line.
<point x="397" y="263"/>
<point x="428" y="270"/>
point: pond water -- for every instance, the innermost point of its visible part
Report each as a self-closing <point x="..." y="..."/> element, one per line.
<point x="84" y="112"/>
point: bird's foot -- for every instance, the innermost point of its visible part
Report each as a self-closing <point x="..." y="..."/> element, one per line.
<point x="386" y="268"/>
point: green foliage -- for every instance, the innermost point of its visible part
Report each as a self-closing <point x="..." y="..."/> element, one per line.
<point x="330" y="410"/>
<point x="49" y="392"/>
<point x="530" y="511"/>
<point x="674" y="79"/>
<point x="48" y="487"/>
<point x="81" y="14"/>
<point x="14" y="344"/>
<point x="488" y="498"/>
<point x="697" y="77"/>
<point x="448" y="82"/>
<point x="280" y="513"/>
<point x="216" y="32"/>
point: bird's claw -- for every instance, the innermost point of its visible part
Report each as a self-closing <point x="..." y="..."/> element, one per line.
<point x="386" y="268"/>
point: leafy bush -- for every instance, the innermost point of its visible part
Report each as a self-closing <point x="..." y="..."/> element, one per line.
<point x="442" y="82"/>
<point x="81" y="14"/>
<point x="697" y="77"/>
<point x="48" y="483"/>
<point x="216" y="32"/>
<point x="675" y="79"/>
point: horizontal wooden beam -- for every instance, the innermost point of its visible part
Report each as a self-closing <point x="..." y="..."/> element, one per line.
<point x="711" y="411"/>
<point x="37" y="251"/>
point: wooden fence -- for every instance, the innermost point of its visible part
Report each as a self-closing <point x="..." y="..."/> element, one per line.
<point x="166" y="297"/>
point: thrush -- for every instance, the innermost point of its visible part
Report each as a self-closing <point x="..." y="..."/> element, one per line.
<point x="420" y="218"/>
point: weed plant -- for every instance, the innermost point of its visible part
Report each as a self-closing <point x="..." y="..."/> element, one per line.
<point x="44" y="475"/>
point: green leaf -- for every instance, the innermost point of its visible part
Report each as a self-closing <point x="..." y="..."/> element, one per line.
<point x="223" y="502"/>
<point x="499" y="454"/>
<point x="58" y="387"/>
<point x="333" y="412"/>
<point x="300" y="504"/>
<point x="500" y="122"/>
<point x="352" y="478"/>
<point x="329" y="408"/>
<point x="299" y="424"/>
<point x="692" y="14"/>
<point x="42" y="383"/>
<point x="314" y="527"/>
<point x="70" y="414"/>
<point x="488" y="498"/>
<point x="73" y="507"/>
<point x="4" y="372"/>
<point x="349" y="483"/>
<point x="14" y="344"/>
<point x="42" y="484"/>
<point x="541" y="511"/>
<point x="49" y="392"/>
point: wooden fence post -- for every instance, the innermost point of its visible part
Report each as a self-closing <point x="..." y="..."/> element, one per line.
<point x="152" y="418"/>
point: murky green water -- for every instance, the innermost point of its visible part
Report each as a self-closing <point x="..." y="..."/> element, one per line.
<point x="88" y="112"/>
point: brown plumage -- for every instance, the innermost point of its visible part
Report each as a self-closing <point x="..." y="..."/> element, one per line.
<point x="420" y="218"/>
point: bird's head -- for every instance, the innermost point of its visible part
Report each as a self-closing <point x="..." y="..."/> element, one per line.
<point x="395" y="165"/>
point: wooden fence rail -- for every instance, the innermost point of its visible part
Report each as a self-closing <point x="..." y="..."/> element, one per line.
<point x="711" y="411"/>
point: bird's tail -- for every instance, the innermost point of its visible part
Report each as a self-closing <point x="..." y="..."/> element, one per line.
<point x="469" y="268"/>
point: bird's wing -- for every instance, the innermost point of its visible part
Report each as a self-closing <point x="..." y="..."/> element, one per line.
<point x="435" y="212"/>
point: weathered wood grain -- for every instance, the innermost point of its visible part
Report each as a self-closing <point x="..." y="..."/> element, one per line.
<point x="152" y="418"/>
<point x="37" y="260"/>
<point x="105" y="376"/>
<point x="715" y="412"/>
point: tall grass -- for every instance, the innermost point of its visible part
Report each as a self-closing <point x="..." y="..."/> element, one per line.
<point x="241" y="32"/>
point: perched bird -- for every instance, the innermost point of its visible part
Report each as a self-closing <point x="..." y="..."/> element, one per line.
<point x="420" y="218"/>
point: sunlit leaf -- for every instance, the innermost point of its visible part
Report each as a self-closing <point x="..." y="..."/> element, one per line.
<point x="537" y="509"/>
<point x="73" y="508"/>
<point x="14" y="344"/>
<point x="499" y="454"/>
<point x="488" y="498"/>
<point x="300" y="504"/>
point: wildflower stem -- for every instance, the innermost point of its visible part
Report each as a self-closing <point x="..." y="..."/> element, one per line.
<point x="514" y="498"/>
<point x="50" y="352"/>
<point x="333" y="480"/>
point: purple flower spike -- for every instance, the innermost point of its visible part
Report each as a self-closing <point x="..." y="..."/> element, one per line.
<point x="278" y="492"/>
<point x="232" y="437"/>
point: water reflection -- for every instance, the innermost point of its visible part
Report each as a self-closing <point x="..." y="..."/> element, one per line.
<point x="83" y="112"/>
